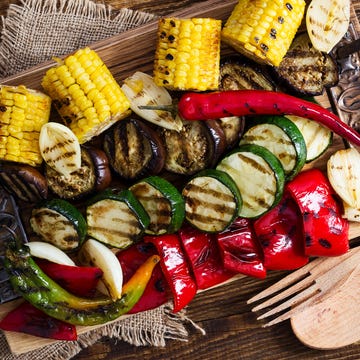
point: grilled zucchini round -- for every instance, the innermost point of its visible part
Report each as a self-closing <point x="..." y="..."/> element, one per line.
<point x="163" y="203"/>
<point x="212" y="200"/>
<point x="59" y="223"/>
<point x="282" y="137"/>
<point x="258" y="175"/>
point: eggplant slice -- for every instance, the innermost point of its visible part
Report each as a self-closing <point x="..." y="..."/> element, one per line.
<point x="134" y="149"/>
<point x="23" y="181"/>
<point x="239" y="73"/>
<point x="306" y="71"/>
<point x="83" y="181"/>
<point x="197" y="146"/>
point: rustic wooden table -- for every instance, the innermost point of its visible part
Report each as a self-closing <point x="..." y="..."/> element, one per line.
<point x="232" y="331"/>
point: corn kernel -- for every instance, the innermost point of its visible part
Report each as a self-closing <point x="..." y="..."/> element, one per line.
<point x="263" y="30"/>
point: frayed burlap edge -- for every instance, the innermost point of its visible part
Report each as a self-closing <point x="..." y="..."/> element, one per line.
<point x="150" y="328"/>
<point x="36" y="30"/>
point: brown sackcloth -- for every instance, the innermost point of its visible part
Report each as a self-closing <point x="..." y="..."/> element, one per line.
<point x="33" y="32"/>
<point x="37" y="30"/>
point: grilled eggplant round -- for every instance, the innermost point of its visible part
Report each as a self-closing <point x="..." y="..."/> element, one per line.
<point x="23" y="181"/>
<point x="93" y="175"/>
<point x="134" y="149"/>
<point x="305" y="70"/>
<point x="197" y="146"/>
<point x="240" y="73"/>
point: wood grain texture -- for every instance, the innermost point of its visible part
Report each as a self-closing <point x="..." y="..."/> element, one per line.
<point x="232" y="331"/>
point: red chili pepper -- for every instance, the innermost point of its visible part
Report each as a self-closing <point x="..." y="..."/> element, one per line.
<point x="280" y="233"/>
<point x="204" y="257"/>
<point x="175" y="268"/>
<point x="326" y="232"/>
<point x="201" y="106"/>
<point x="28" y="319"/>
<point x="79" y="280"/>
<point x="240" y="250"/>
<point x="156" y="291"/>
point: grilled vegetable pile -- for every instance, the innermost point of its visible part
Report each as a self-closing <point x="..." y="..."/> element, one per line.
<point x="207" y="189"/>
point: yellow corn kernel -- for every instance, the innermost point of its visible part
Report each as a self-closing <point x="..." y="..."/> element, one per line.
<point x="22" y="113"/>
<point x="92" y="101"/>
<point x="263" y="30"/>
<point x="192" y="42"/>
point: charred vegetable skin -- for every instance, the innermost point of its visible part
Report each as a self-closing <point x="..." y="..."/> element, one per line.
<point x="305" y="70"/>
<point x="240" y="73"/>
<point x="201" y="106"/>
<point x="326" y="233"/>
<point x="46" y="295"/>
<point x="28" y="319"/>
<point x="134" y="149"/>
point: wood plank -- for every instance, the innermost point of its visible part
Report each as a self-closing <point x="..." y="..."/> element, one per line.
<point x="115" y="53"/>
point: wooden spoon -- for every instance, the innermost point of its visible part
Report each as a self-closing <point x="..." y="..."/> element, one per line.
<point x="333" y="321"/>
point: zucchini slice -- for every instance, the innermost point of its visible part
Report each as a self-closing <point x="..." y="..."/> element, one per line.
<point x="258" y="175"/>
<point x="163" y="203"/>
<point x="59" y="223"/>
<point x="116" y="219"/>
<point x="212" y="200"/>
<point x="317" y="138"/>
<point x="282" y="137"/>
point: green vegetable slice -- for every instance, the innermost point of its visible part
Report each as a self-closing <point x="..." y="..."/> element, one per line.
<point x="60" y="223"/>
<point x="258" y="175"/>
<point x="317" y="138"/>
<point x="163" y="203"/>
<point x="116" y="219"/>
<point x="282" y="137"/>
<point x="212" y="200"/>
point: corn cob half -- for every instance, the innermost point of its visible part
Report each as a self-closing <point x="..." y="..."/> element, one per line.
<point x="23" y="112"/>
<point x="85" y="94"/>
<point x="263" y="29"/>
<point x="187" y="54"/>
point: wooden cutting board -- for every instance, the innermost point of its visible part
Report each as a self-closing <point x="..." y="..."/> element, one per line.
<point x="115" y="53"/>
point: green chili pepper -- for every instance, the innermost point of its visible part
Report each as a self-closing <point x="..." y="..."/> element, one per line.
<point x="45" y="294"/>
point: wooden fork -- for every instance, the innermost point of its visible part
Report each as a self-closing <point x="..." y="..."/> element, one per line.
<point x="302" y="287"/>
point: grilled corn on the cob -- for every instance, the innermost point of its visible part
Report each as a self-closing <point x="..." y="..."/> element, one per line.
<point x="85" y="93"/>
<point x="23" y="112"/>
<point x="263" y="29"/>
<point x="188" y="54"/>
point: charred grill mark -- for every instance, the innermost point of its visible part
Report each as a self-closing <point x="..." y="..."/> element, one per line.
<point x="253" y="163"/>
<point x="206" y="191"/>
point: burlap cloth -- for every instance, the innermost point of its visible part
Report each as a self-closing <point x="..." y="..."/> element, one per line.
<point x="31" y="33"/>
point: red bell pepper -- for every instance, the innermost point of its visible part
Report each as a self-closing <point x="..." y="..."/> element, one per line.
<point x="175" y="268"/>
<point x="215" y="105"/>
<point x="156" y="291"/>
<point x="79" y="280"/>
<point x="280" y="233"/>
<point x="326" y="232"/>
<point x="204" y="257"/>
<point x="28" y="319"/>
<point x="240" y="250"/>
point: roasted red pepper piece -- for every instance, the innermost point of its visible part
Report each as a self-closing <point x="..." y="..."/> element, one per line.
<point x="215" y="105"/>
<point x="28" y="319"/>
<point x="204" y="257"/>
<point x="326" y="232"/>
<point x="280" y="233"/>
<point x="156" y="292"/>
<point x="175" y="268"/>
<point x="79" y="280"/>
<point x="240" y="250"/>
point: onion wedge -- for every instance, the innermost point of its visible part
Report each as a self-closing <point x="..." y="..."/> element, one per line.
<point x="94" y="253"/>
<point x="327" y="22"/>
<point x="60" y="148"/>
<point x="141" y="90"/>
<point x="49" y="252"/>
<point x="343" y="169"/>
